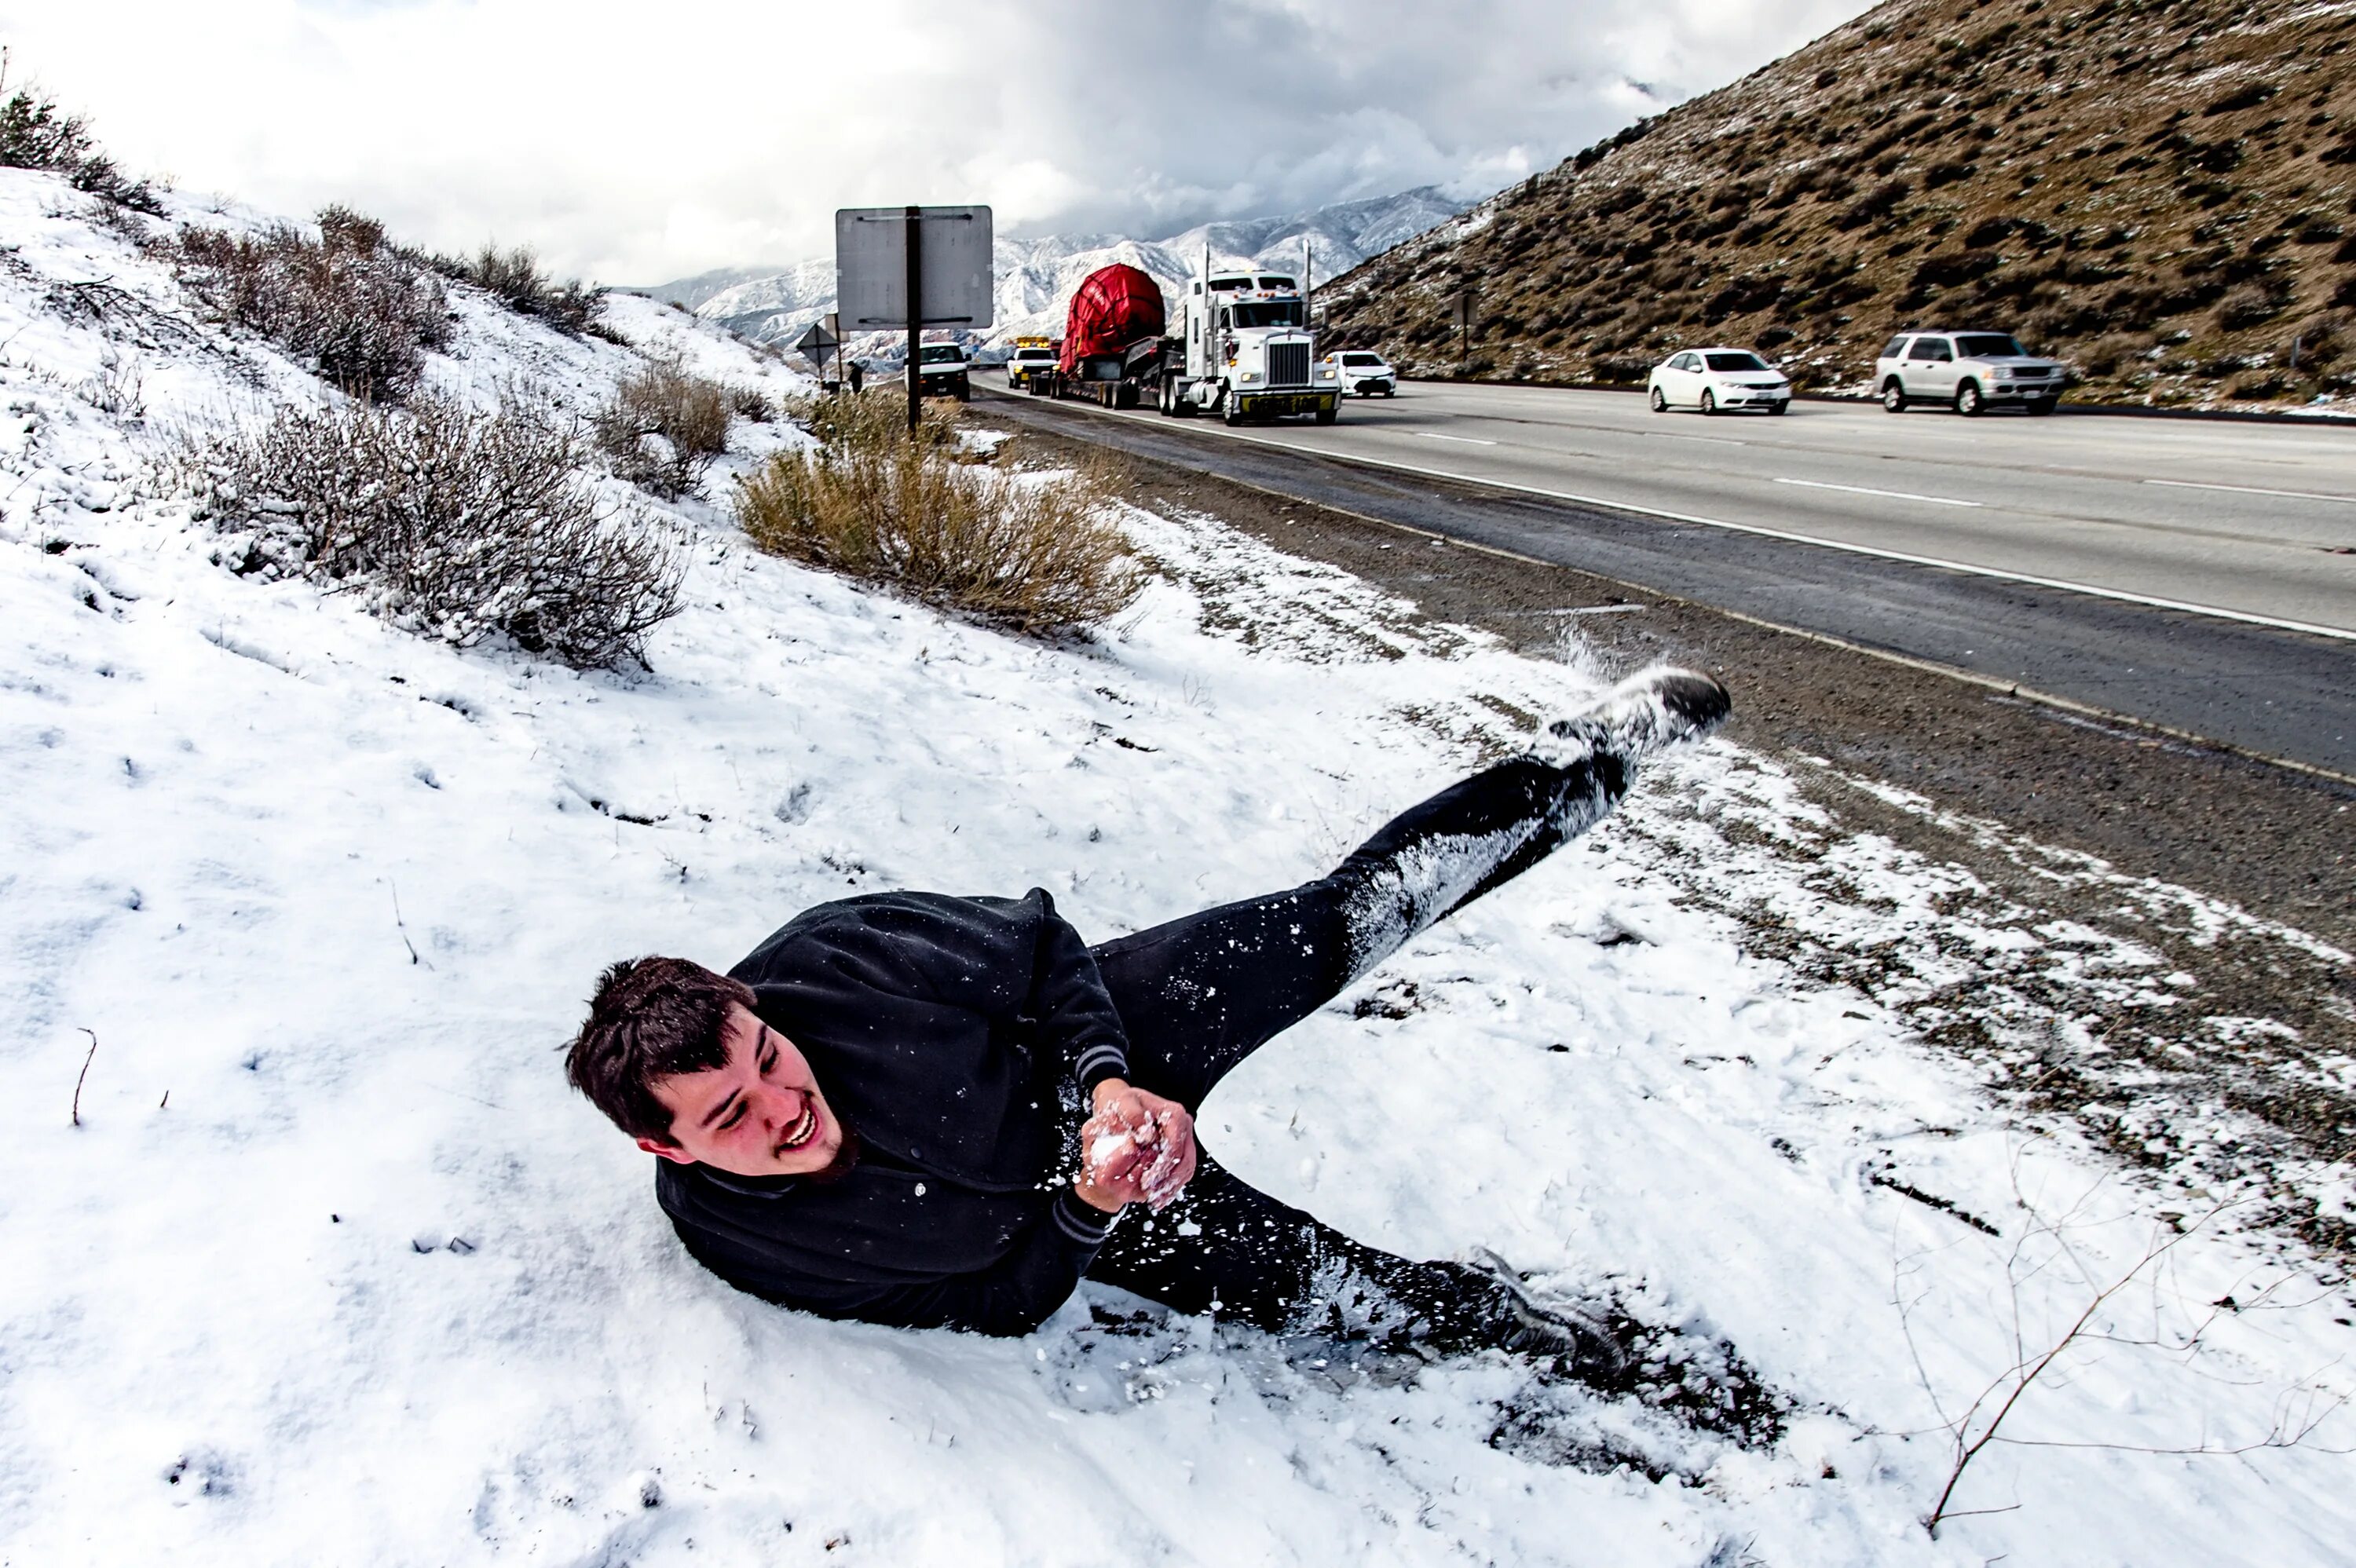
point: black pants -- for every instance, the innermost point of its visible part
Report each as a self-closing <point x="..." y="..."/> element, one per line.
<point x="1199" y="995"/>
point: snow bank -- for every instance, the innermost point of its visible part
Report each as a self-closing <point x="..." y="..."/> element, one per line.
<point x="335" y="1268"/>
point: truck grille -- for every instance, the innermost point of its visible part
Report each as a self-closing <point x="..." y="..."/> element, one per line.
<point x="1288" y="364"/>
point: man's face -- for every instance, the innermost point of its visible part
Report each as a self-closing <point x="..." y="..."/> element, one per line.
<point x="759" y="1115"/>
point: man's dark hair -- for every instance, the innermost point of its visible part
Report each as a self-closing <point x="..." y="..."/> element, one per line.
<point x="650" y="1018"/>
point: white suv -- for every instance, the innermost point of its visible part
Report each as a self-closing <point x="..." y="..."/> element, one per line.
<point x="1970" y="371"/>
<point x="1365" y="375"/>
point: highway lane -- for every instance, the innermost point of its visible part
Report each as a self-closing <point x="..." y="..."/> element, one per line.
<point x="2243" y="518"/>
<point x="2062" y="500"/>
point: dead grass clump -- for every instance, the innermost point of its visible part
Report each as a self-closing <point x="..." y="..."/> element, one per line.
<point x="1032" y="552"/>
<point x="751" y="403"/>
<point x="663" y="426"/>
<point x="456" y="522"/>
<point x="874" y="421"/>
<point x="362" y="310"/>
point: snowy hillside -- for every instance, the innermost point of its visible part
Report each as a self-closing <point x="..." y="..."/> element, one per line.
<point x="1036" y="277"/>
<point x="296" y="910"/>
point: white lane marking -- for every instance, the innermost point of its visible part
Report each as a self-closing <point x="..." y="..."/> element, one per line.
<point x="1467" y="440"/>
<point x="2253" y="490"/>
<point x="1894" y="494"/>
<point x="2116" y="594"/>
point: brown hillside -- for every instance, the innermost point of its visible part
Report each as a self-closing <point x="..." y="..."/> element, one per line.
<point x="2161" y="191"/>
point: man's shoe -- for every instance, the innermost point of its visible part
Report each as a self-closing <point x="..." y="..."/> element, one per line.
<point x="1651" y="709"/>
<point x="1541" y="1328"/>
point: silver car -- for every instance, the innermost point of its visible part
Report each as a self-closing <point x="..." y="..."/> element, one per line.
<point x="1971" y="371"/>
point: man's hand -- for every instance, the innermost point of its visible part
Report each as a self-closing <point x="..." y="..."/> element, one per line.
<point x="1136" y="1146"/>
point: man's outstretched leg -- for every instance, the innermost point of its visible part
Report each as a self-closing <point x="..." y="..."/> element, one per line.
<point x="1198" y="995"/>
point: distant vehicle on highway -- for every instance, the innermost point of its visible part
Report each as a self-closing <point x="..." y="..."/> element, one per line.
<point x="1031" y="356"/>
<point x="1973" y="371"/>
<point x="1365" y="374"/>
<point x="942" y="371"/>
<point x="1712" y="380"/>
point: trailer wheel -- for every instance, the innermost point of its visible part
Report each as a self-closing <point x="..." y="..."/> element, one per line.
<point x="1168" y="403"/>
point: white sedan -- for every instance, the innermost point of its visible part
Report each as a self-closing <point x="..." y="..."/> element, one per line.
<point x="1713" y="378"/>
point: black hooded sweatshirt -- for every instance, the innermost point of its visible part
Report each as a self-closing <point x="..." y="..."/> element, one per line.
<point x="958" y="1038"/>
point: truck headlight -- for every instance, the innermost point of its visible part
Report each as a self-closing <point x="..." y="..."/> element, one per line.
<point x="1249" y="376"/>
<point x="1325" y="375"/>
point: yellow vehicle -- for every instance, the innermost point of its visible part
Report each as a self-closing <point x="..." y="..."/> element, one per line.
<point x="1033" y="355"/>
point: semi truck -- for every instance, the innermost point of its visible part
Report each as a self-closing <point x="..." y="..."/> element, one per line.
<point x="1244" y="349"/>
<point x="1248" y="352"/>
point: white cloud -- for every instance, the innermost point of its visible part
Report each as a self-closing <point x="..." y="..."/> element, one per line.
<point x="630" y="143"/>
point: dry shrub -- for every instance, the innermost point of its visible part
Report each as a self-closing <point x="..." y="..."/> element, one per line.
<point x="1032" y="552"/>
<point x="35" y="134"/>
<point x="751" y="403"/>
<point x="456" y="522"/>
<point x="515" y="279"/>
<point x="663" y="426"/>
<point x="874" y="421"/>
<point x="362" y="310"/>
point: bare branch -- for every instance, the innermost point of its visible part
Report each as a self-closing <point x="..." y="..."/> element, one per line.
<point x="85" y="1073"/>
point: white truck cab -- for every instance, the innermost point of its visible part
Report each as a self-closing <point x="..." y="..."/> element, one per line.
<point x="1250" y="353"/>
<point x="942" y="370"/>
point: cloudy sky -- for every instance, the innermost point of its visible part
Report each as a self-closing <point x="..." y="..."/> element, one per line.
<point x="636" y="142"/>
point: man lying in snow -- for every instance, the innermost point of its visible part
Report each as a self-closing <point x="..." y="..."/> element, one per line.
<point x="878" y="1114"/>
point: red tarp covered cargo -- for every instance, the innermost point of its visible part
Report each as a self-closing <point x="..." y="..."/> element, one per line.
<point x="1114" y="307"/>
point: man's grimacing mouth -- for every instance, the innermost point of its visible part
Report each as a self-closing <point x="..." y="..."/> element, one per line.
<point x="802" y="1131"/>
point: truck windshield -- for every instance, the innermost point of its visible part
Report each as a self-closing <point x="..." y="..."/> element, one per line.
<point x="942" y="354"/>
<point x="1268" y="313"/>
<point x="1988" y="345"/>
<point x="1034" y="354"/>
<point x="1276" y="283"/>
<point x="1735" y="362"/>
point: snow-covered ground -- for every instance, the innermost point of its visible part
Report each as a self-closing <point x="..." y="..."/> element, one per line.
<point x="336" y="1269"/>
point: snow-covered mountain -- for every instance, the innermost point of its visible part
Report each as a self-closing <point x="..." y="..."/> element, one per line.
<point x="1036" y="277"/>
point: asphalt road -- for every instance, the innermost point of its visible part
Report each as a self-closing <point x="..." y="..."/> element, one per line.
<point x="2187" y="574"/>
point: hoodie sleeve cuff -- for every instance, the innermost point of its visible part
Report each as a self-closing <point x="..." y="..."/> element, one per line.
<point x="1083" y="1225"/>
<point x="1103" y="1059"/>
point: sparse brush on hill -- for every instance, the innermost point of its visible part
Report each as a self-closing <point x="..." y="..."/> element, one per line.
<point x="2164" y="190"/>
<point x="663" y="426"/>
<point x="456" y="522"/>
<point x="515" y="277"/>
<point x="1034" y="553"/>
<point x="362" y="310"/>
<point x="35" y="134"/>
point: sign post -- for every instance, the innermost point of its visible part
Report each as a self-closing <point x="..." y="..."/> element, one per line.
<point x="913" y="267"/>
<point x="1460" y="311"/>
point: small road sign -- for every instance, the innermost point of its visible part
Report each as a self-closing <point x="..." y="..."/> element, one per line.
<point x="815" y="344"/>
